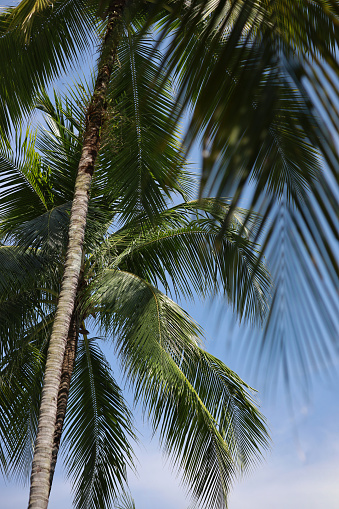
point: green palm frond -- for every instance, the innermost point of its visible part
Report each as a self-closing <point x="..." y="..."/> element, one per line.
<point x="61" y="143"/>
<point x="98" y="430"/>
<point x="182" y="251"/>
<point x="22" y="180"/>
<point x="18" y="270"/>
<point x="60" y="147"/>
<point x="21" y="375"/>
<point x="27" y="211"/>
<point x="21" y="314"/>
<point x="28" y="293"/>
<point x="119" y="297"/>
<point x="251" y="118"/>
<point x="38" y="179"/>
<point x="209" y="436"/>
<point x="261" y="81"/>
<point x="141" y="152"/>
<point x="231" y="402"/>
<point x="38" y="41"/>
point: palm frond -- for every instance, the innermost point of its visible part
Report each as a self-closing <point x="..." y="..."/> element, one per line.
<point x="22" y="179"/>
<point x="28" y="294"/>
<point x="260" y="78"/>
<point x="38" y="178"/>
<point x="18" y="270"/>
<point x="61" y="143"/>
<point x="181" y="250"/>
<point x="98" y="429"/>
<point x="21" y="375"/>
<point x="125" y="502"/>
<point x="141" y="152"/>
<point x="301" y="333"/>
<point x="38" y="41"/>
<point x="209" y="436"/>
<point x="27" y="212"/>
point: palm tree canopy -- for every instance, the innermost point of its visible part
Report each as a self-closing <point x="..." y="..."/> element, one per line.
<point x="260" y="80"/>
<point x="185" y="391"/>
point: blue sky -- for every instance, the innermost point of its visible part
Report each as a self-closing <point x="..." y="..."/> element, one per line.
<point x="300" y="471"/>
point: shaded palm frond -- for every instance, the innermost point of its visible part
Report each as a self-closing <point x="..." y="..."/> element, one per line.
<point x="125" y="502"/>
<point x="141" y="152"/>
<point x="261" y="80"/>
<point x="301" y="333"/>
<point x="18" y="270"/>
<point x="20" y="314"/>
<point x="28" y="293"/>
<point x="21" y="376"/>
<point x="98" y="429"/>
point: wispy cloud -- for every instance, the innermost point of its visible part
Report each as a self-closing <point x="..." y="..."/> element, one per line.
<point x="278" y="486"/>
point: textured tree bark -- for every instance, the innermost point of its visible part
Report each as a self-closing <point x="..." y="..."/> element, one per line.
<point x="65" y="382"/>
<point x="40" y="476"/>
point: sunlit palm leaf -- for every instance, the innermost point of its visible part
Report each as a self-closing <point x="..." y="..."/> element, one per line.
<point x="141" y="152"/>
<point x="38" y="40"/>
<point x="21" y="179"/>
<point x="60" y="144"/>
<point x="174" y="379"/>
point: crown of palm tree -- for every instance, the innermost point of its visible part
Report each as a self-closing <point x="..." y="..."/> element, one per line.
<point x="254" y="74"/>
<point x="204" y="413"/>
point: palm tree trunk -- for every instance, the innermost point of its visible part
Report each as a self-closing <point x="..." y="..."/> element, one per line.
<point x="41" y="466"/>
<point x="65" y="382"/>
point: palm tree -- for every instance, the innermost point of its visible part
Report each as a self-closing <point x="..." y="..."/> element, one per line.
<point x="70" y="282"/>
<point x="203" y="411"/>
<point x="246" y="68"/>
<point x="255" y="124"/>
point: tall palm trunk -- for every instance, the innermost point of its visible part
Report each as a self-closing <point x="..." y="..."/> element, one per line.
<point x="42" y="459"/>
<point x="65" y="382"/>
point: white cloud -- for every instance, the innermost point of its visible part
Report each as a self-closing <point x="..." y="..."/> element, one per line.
<point x="313" y="486"/>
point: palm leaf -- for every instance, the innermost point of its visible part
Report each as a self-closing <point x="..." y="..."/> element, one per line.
<point x="38" y="41"/>
<point x="141" y="154"/>
<point x="178" y="250"/>
<point x="22" y="179"/>
<point x="261" y="82"/>
<point x="157" y="343"/>
<point x="125" y="502"/>
<point x="26" y="296"/>
<point x="21" y="375"/>
<point x="98" y="429"/>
